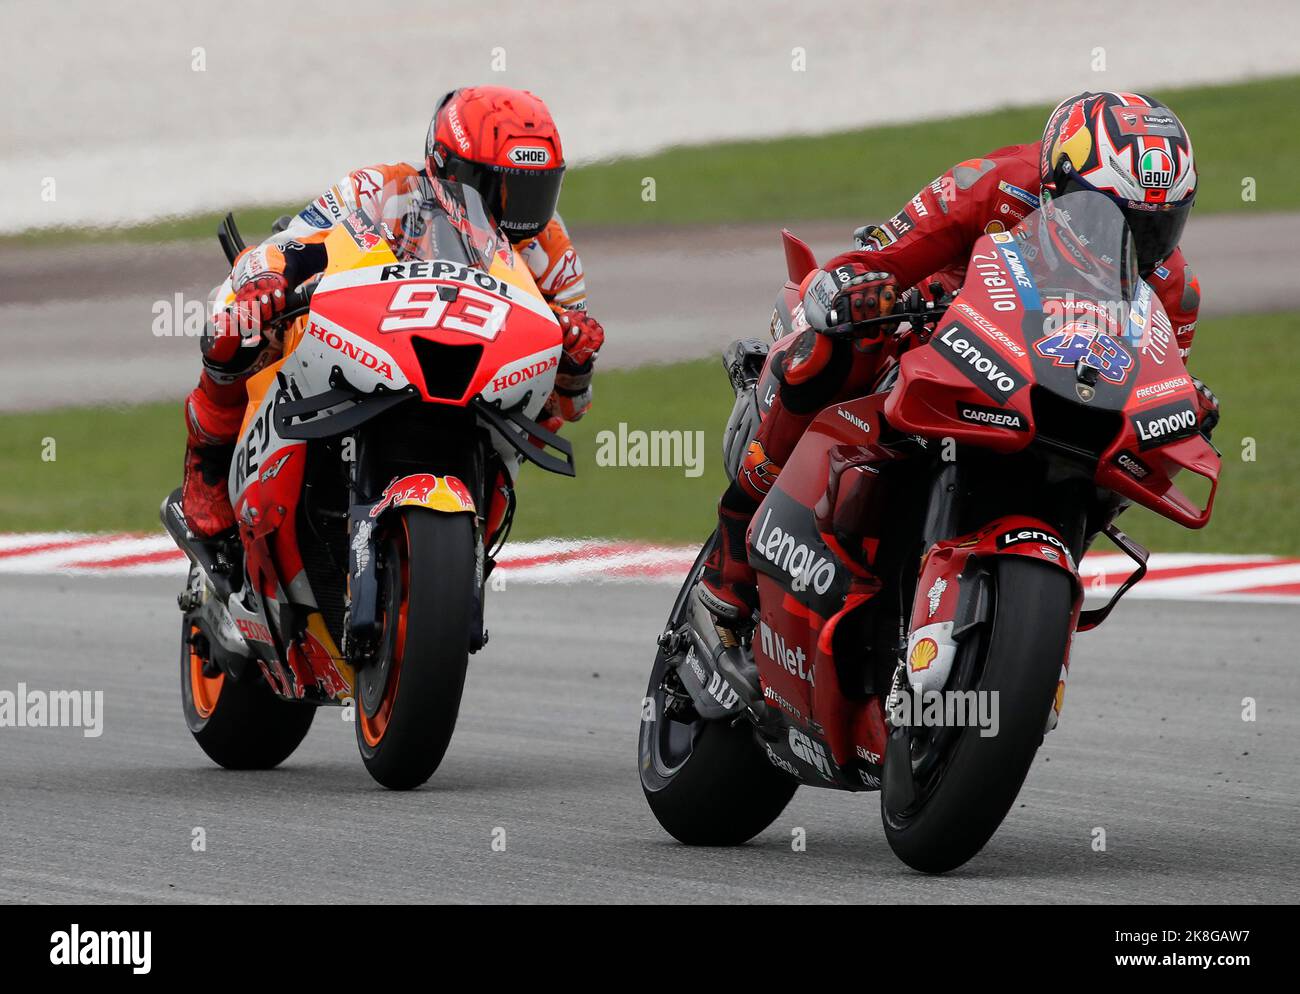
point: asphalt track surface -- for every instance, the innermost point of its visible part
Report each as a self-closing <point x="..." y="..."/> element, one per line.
<point x="1197" y="805"/>
<point x="77" y="323"/>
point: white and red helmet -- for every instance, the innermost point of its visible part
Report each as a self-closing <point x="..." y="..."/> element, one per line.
<point x="1134" y="150"/>
<point x="503" y="143"/>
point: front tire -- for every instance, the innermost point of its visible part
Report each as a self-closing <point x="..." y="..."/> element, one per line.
<point x="962" y="803"/>
<point x="240" y="724"/>
<point x="408" y="699"/>
<point x="707" y="782"/>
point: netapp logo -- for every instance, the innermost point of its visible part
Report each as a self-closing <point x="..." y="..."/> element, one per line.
<point x="1164" y="424"/>
<point x="806" y="567"/>
<point x="992" y="416"/>
<point x="981" y="365"/>
<point x="791" y="658"/>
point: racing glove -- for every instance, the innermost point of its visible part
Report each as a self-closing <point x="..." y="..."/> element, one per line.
<point x="1208" y="404"/>
<point x="847" y="294"/>
<point x="261" y="294"/>
<point x="582" y="337"/>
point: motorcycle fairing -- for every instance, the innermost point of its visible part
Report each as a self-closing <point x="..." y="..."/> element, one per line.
<point x="449" y="305"/>
<point x="810" y="585"/>
<point x="969" y="381"/>
<point x="282" y="625"/>
<point x="974" y="381"/>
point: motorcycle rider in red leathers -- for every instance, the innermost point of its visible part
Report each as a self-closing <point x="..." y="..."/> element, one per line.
<point x="500" y="141"/>
<point x="1124" y="145"/>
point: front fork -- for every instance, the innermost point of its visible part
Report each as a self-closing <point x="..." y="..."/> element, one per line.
<point x="445" y="493"/>
<point x="942" y="517"/>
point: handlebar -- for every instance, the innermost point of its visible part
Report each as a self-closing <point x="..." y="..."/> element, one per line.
<point x="922" y="314"/>
<point x="299" y="302"/>
<point x="232" y="244"/>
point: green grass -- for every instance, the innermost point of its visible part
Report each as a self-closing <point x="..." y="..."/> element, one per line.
<point x="110" y="470"/>
<point x="113" y="465"/>
<point x="1250" y="364"/>
<point x="1240" y="130"/>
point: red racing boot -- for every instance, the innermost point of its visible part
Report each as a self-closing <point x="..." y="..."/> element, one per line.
<point x="213" y="413"/>
<point x="728" y="587"/>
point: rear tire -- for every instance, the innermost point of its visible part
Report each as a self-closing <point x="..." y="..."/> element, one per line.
<point x="707" y="782"/>
<point x="428" y="597"/>
<point x="241" y="725"/>
<point x="980" y="777"/>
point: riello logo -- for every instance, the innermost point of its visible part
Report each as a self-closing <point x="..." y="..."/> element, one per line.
<point x="507" y="380"/>
<point x="351" y="350"/>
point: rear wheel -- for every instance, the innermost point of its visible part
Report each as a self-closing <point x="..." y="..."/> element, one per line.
<point x="707" y="782"/>
<point x="240" y="724"/>
<point x="963" y="794"/>
<point x="408" y="698"/>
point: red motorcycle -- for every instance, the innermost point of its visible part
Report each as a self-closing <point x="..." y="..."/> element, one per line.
<point x="918" y="556"/>
<point x="373" y="483"/>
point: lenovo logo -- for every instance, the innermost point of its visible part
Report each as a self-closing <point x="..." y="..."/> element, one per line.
<point x="980" y="364"/>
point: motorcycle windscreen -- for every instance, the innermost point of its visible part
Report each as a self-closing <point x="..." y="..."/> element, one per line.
<point x="1088" y="317"/>
<point x="452" y="223"/>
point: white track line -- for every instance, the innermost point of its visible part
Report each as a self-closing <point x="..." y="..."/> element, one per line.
<point x="592" y="560"/>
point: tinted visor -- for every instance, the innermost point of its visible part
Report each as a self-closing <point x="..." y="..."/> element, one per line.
<point x="1156" y="228"/>
<point x="1156" y="233"/>
<point x="522" y="201"/>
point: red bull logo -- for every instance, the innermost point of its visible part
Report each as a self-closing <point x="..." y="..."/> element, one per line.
<point x="313" y="665"/>
<point x="441" y="493"/>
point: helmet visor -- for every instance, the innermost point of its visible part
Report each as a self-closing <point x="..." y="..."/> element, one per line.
<point x="522" y="201"/>
<point x="1156" y="228"/>
<point x="1156" y="233"/>
<point x="527" y="199"/>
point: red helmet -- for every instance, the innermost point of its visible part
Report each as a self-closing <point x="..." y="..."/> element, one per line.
<point x="503" y="143"/>
<point x="1134" y="150"/>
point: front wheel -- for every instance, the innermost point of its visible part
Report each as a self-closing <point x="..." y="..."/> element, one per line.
<point x="408" y="697"/>
<point x="963" y="794"/>
<point x="707" y="782"/>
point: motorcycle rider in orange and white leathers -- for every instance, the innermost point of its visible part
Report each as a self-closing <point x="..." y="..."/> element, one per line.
<point x="500" y="141"/>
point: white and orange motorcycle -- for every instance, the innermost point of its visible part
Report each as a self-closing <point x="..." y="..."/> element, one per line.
<point x="373" y="482"/>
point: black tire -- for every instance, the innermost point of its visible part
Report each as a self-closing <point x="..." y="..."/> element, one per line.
<point x="240" y="725"/>
<point x="960" y="807"/>
<point x="422" y="691"/>
<point x="707" y="782"/>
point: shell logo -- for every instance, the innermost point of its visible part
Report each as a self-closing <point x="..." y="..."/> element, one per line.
<point x="923" y="654"/>
<point x="1060" y="696"/>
